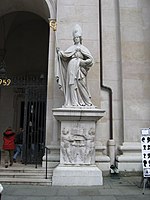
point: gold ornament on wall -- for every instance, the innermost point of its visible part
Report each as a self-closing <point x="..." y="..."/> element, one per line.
<point x="53" y="24"/>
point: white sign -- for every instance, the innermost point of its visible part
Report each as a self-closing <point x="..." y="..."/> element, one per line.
<point x="145" y="143"/>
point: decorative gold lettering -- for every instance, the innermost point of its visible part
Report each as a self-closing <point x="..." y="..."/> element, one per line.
<point x="8" y="82"/>
<point x="53" y="24"/>
<point x="5" y="82"/>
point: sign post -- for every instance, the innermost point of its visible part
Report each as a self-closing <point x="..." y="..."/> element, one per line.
<point x="1" y="189"/>
<point x="145" y="144"/>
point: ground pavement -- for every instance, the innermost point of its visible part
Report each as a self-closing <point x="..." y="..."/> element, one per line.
<point x="114" y="188"/>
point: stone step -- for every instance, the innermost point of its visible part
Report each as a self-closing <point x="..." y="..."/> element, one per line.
<point x="25" y="181"/>
<point x="33" y="171"/>
<point x="25" y="175"/>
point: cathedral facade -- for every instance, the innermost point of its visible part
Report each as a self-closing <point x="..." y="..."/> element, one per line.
<point x="116" y="32"/>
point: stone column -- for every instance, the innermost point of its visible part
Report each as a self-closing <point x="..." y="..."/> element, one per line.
<point x="134" y="24"/>
<point x="51" y="126"/>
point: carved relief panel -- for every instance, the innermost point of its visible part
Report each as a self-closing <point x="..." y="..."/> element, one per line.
<point x="77" y="143"/>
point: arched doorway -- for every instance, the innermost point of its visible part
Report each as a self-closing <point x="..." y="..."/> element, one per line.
<point x="24" y="50"/>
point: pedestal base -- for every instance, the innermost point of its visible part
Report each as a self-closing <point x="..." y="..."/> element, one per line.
<point x="77" y="176"/>
<point x="130" y="160"/>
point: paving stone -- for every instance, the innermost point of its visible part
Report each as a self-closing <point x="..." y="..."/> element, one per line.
<point x="123" y="188"/>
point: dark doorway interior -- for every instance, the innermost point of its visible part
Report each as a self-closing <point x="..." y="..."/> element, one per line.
<point x="22" y="114"/>
<point x="24" y="49"/>
<point x="34" y="125"/>
<point x="30" y="104"/>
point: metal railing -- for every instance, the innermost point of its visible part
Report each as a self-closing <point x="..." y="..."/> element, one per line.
<point x="46" y="153"/>
<point x="46" y="149"/>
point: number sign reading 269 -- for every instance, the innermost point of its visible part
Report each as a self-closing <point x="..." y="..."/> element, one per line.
<point x="5" y="82"/>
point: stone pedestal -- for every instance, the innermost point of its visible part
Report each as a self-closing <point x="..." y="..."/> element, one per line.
<point x="77" y="147"/>
<point x="77" y="176"/>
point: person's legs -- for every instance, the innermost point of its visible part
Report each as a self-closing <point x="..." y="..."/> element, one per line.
<point x="18" y="151"/>
<point x="6" y="154"/>
<point x="11" y="153"/>
<point x="20" y="146"/>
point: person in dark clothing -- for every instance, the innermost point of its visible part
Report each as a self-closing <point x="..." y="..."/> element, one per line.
<point x="8" y="146"/>
<point x="19" y="144"/>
